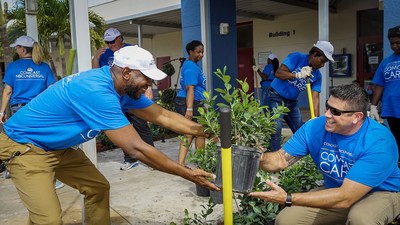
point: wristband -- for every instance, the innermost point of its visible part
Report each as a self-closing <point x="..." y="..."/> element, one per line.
<point x="288" y="202"/>
<point x="189" y="109"/>
<point x="2" y="113"/>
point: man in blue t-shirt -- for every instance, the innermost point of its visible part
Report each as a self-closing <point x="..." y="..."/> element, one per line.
<point x="290" y="80"/>
<point x="104" y="57"/>
<point x="75" y="110"/>
<point x="357" y="157"/>
<point x="387" y="86"/>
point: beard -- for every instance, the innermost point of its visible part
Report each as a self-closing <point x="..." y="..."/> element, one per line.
<point x="133" y="91"/>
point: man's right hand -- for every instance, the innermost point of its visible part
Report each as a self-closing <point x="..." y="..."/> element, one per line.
<point x="99" y="53"/>
<point x="255" y="68"/>
<point x="3" y="117"/>
<point x="202" y="178"/>
<point x="304" y="72"/>
<point x="373" y="113"/>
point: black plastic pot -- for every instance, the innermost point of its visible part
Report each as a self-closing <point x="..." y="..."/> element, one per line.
<point x="202" y="191"/>
<point x="217" y="197"/>
<point x="245" y="162"/>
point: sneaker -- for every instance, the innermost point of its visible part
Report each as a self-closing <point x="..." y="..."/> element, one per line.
<point x="7" y="175"/>
<point x="129" y="165"/>
<point x="59" y="184"/>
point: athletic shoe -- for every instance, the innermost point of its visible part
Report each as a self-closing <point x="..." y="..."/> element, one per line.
<point x="7" y="175"/>
<point x="129" y="165"/>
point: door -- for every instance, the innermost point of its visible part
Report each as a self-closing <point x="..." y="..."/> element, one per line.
<point x="245" y="71"/>
<point x="166" y="82"/>
<point x="369" y="55"/>
<point x="369" y="44"/>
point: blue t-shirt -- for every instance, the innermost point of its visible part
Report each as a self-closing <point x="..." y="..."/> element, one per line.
<point x="269" y="71"/>
<point x="369" y="156"/>
<point x="388" y="76"/>
<point x="128" y="103"/>
<point x="70" y="112"/>
<point x="192" y="76"/>
<point x="27" y="79"/>
<point x="291" y="88"/>
<point x="107" y="58"/>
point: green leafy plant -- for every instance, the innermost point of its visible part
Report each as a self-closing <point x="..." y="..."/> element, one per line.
<point x="300" y="177"/>
<point x="205" y="159"/>
<point x="252" y="126"/>
<point x="202" y="218"/>
<point x="254" y="210"/>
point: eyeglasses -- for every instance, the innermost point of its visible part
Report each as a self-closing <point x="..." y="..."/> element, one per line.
<point x="110" y="42"/>
<point x="335" y="111"/>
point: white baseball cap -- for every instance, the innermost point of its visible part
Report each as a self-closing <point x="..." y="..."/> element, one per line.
<point x="111" y="34"/>
<point x="25" y="41"/>
<point x="272" y="56"/>
<point x="327" y="48"/>
<point x="137" y="58"/>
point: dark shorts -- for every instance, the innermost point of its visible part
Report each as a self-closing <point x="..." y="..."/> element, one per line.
<point x="180" y="107"/>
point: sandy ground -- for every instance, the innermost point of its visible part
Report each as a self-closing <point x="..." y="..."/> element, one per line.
<point x="138" y="196"/>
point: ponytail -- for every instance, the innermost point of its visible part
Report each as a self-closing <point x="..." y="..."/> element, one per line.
<point x="37" y="54"/>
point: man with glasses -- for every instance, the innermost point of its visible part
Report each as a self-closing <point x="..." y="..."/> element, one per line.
<point x="290" y="80"/>
<point x="114" y="41"/>
<point x="357" y="157"/>
<point x="74" y="110"/>
<point x="105" y="57"/>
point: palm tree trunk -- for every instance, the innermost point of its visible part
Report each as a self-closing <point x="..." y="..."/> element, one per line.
<point x="6" y="46"/>
<point x="62" y="56"/>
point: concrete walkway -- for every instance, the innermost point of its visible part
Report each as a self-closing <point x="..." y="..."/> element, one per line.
<point x="138" y="196"/>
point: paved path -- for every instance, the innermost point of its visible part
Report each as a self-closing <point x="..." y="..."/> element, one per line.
<point x="138" y="196"/>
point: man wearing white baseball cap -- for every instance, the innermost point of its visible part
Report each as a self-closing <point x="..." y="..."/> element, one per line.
<point x="74" y="110"/>
<point x="105" y="57"/>
<point x="290" y="80"/>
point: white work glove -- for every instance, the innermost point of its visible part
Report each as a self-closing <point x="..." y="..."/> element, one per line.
<point x="304" y="72"/>
<point x="373" y="113"/>
<point x="255" y="68"/>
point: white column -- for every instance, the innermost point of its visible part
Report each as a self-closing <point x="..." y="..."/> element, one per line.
<point x="31" y="26"/>
<point x="323" y="35"/>
<point x="140" y="35"/>
<point x="80" y="39"/>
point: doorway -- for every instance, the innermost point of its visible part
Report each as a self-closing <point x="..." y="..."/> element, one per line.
<point x="245" y="54"/>
<point x="369" y="45"/>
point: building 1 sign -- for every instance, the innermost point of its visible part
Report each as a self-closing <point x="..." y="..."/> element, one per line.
<point x="280" y="34"/>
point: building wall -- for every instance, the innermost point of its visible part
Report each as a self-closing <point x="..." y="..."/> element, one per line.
<point x="303" y="30"/>
<point x="128" y="8"/>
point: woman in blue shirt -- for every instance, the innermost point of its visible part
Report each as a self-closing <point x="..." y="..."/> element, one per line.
<point x="26" y="77"/>
<point x="189" y="97"/>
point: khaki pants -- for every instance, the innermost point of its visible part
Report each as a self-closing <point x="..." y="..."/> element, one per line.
<point x="34" y="172"/>
<point x="375" y="208"/>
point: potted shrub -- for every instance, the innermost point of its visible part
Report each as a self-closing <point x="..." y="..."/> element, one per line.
<point x="205" y="159"/>
<point x="252" y="127"/>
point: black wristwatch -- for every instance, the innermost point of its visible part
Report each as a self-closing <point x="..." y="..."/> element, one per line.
<point x="288" y="202"/>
